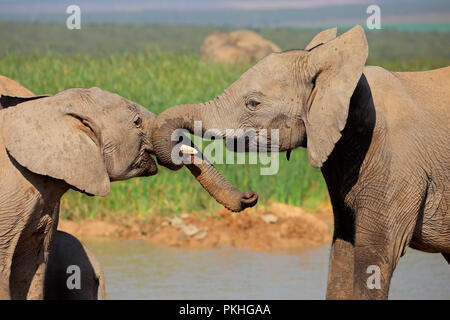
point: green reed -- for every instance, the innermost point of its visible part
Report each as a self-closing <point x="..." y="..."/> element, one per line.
<point x="158" y="80"/>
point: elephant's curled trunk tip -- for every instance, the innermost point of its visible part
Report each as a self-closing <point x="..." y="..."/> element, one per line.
<point x="220" y="188"/>
<point x="249" y="199"/>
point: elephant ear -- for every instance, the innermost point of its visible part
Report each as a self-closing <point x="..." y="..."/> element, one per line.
<point x="52" y="136"/>
<point x="11" y="101"/>
<point x="321" y="38"/>
<point x="336" y="67"/>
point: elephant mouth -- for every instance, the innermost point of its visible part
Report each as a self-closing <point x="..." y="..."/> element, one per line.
<point x="152" y="168"/>
<point x="147" y="164"/>
<point x="252" y="141"/>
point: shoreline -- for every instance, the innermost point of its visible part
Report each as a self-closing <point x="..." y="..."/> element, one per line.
<point x="280" y="226"/>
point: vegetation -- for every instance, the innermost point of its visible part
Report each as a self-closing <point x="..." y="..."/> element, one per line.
<point x="105" y="39"/>
<point x="157" y="80"/>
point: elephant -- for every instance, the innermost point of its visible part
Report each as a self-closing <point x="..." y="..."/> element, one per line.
<point x="381" y="140"/>
<point x="80" y="139"/>
<point x="68" y="251"/>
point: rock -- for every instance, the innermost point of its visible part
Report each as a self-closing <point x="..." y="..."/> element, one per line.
<point x="176" y="222"/>
<point x="164" y="223"/>
<point x="239" y="46"/>
<point x="190" y="230"/>
<point x="184" y="215"/>
<point x="269" y="218"/>
<point x="201" y="234"/>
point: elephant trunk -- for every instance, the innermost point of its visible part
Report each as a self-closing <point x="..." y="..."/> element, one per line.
<point x="220" y="188"/>
<point x="178" y="117"/>
<point x="182" y="117"/>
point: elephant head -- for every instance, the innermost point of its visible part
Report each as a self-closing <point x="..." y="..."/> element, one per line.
<point x="304" y="94"/>
<point x="86" y="137"/>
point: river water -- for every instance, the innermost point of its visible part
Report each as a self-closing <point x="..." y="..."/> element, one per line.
<point x="142" y="270"/>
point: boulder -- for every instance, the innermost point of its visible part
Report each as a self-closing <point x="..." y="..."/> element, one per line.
<point x="240" y="46"/>
<point x="269" y="218"/>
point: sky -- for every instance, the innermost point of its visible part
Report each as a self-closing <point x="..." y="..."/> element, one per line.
<point x="255" y="13"/>
<point x="51" y="6"/>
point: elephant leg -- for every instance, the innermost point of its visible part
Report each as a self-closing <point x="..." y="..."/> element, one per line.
<point x="372" y="270"/>
<point x="36" y="290"/>
<point x="380" y="241"/>
<point x="340" y="272"/>
<point x="4" y="286"/>
<point x="9" y="240"/>
<point x="5" y="274"/>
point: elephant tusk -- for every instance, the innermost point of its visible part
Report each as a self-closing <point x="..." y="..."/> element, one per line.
<point x="187" y="149"/>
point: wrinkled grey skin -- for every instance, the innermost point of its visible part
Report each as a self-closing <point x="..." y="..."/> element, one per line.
<point x="67" y="251"/>
<point x="381" y="139"/>
<point x="79" y="138"/>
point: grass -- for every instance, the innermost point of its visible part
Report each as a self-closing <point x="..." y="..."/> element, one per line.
<point x="157" y="80"/>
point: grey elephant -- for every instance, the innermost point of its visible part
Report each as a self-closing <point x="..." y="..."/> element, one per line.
<point x="82" y="139"/>
<point x="381" y="139"/>
<point x="79" y="138"/>
<point x="66" y="252"/>
<point x="205" y="173"/>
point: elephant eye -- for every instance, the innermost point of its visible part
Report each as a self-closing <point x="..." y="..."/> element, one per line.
<point x="253" y="103"/>
<point x="137" y="121"/>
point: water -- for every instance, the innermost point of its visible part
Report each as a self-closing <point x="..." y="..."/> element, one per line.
<point x="141" y="270"/>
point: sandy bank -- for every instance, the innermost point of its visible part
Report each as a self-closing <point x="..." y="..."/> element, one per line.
<point x="280" y="226"/>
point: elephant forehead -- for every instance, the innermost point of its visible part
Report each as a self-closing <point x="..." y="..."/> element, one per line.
<point x="275" y="68"/>
<point x="266" y="81"/>
<point x="274" y="63"/>
<point x="89" y="96"/>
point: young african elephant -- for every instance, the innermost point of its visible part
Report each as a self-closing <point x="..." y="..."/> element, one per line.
<point x="79" y="138"/>
<point x="67" y="251"/>
<point x="381" y="139"/>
